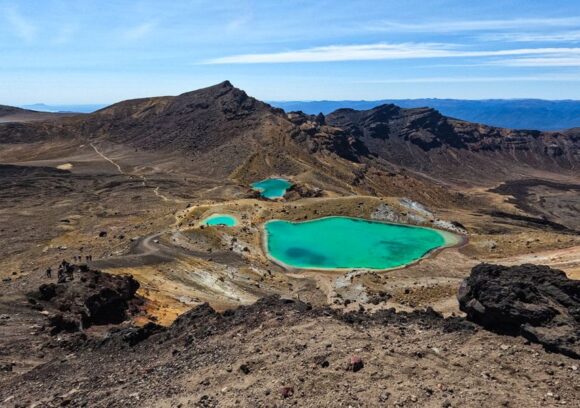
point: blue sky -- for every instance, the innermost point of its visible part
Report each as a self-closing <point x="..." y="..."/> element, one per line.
<point x="84" y="51"/>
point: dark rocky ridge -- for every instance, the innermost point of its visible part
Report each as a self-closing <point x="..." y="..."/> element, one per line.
<point x="534" y="301"/>
<point x="424" y="140"/>
<point x="9" y="110"/>
<point x="224" y="130"/>
<point x="196" y="121"/>
<point x="506" y="113"/>
<point x="12" y="114"/>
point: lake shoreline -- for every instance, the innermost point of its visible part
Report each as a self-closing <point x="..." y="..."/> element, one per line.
<point x="451" y="240"/>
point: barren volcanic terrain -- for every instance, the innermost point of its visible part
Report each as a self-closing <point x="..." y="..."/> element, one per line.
<point x="124" y="191"/>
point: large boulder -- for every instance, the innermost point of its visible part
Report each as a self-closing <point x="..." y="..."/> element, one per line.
<point x="535" y="301"/>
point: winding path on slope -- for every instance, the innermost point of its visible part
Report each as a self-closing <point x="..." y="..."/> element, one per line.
<point x="107" y="159"/>
<point x="120" y="170"/>
<point x="151" y="250"/>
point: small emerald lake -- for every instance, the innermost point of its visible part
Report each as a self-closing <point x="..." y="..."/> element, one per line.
<point x="272" y="188"/>
<point x="347" y="243"/>
<point x="220" y="219"/>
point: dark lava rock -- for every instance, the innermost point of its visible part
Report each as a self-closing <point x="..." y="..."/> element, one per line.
<point x="92" y="298"/>
<point x="287" y="391"/>
<point x="244" y="368"/>
<point x="534" y="301"/>
<point x="379" y="297"/>
<point x="133" y="335"/>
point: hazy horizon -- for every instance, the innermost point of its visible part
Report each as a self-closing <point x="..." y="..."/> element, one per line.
<point x="103" y="104"/>
<point x="78" y="53"/>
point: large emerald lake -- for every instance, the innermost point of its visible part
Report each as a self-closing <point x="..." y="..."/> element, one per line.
<point x="344" y="242"/>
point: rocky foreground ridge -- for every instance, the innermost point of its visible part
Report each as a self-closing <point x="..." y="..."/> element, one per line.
<point x="282" y="352"/>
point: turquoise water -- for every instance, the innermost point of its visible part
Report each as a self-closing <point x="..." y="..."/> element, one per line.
<point x="344" y="242"/>
<point x="272" y="188"/>
<point x="220" y="219"/>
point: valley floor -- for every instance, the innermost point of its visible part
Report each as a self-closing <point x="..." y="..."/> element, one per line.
<point x="138" y="215"/>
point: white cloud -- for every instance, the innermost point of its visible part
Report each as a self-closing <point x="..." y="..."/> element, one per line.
<point x="382" y="51"/>
<point x="531" y="78"/>
<point x="140" y="31"/>
<point x="22" y="27"/>
<point x="473" y="25"/>
<point x="338" y="53"/>
<point x="564" y="36"/>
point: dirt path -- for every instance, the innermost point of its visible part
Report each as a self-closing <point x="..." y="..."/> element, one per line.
<point x="107" y="159"/>
<point x="120" y="170"/>
<point x="158" y="194"/>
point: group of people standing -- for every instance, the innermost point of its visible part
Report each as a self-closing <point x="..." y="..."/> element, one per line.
<point x="66" y="270"/>
<point x="79" y="258"/>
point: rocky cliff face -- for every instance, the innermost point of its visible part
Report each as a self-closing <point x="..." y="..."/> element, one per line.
<point x="427" y="141"/>
<point x="313" y="133"/>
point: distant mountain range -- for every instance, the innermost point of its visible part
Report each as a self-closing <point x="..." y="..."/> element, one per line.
<point x="508" y="113"/>
<point x="12" y="114"/>
<point x="87" y="108"/>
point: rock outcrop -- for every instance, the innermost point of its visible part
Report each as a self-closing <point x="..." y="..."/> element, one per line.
<point x="534" y="301"/>
<point x="90" y="298"/>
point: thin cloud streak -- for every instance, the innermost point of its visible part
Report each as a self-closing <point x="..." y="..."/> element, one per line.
<point x="552" y="78"/>
<point x="382" y="51"/>
<point x="561" y="61"/>
<point x="473" y="25"/>
<point x="565" y="36"/>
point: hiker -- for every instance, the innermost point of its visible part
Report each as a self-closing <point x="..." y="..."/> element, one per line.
<point x="49" y="273"/>
<point x="69" y="269"/>
<point x="61" y="278"/>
